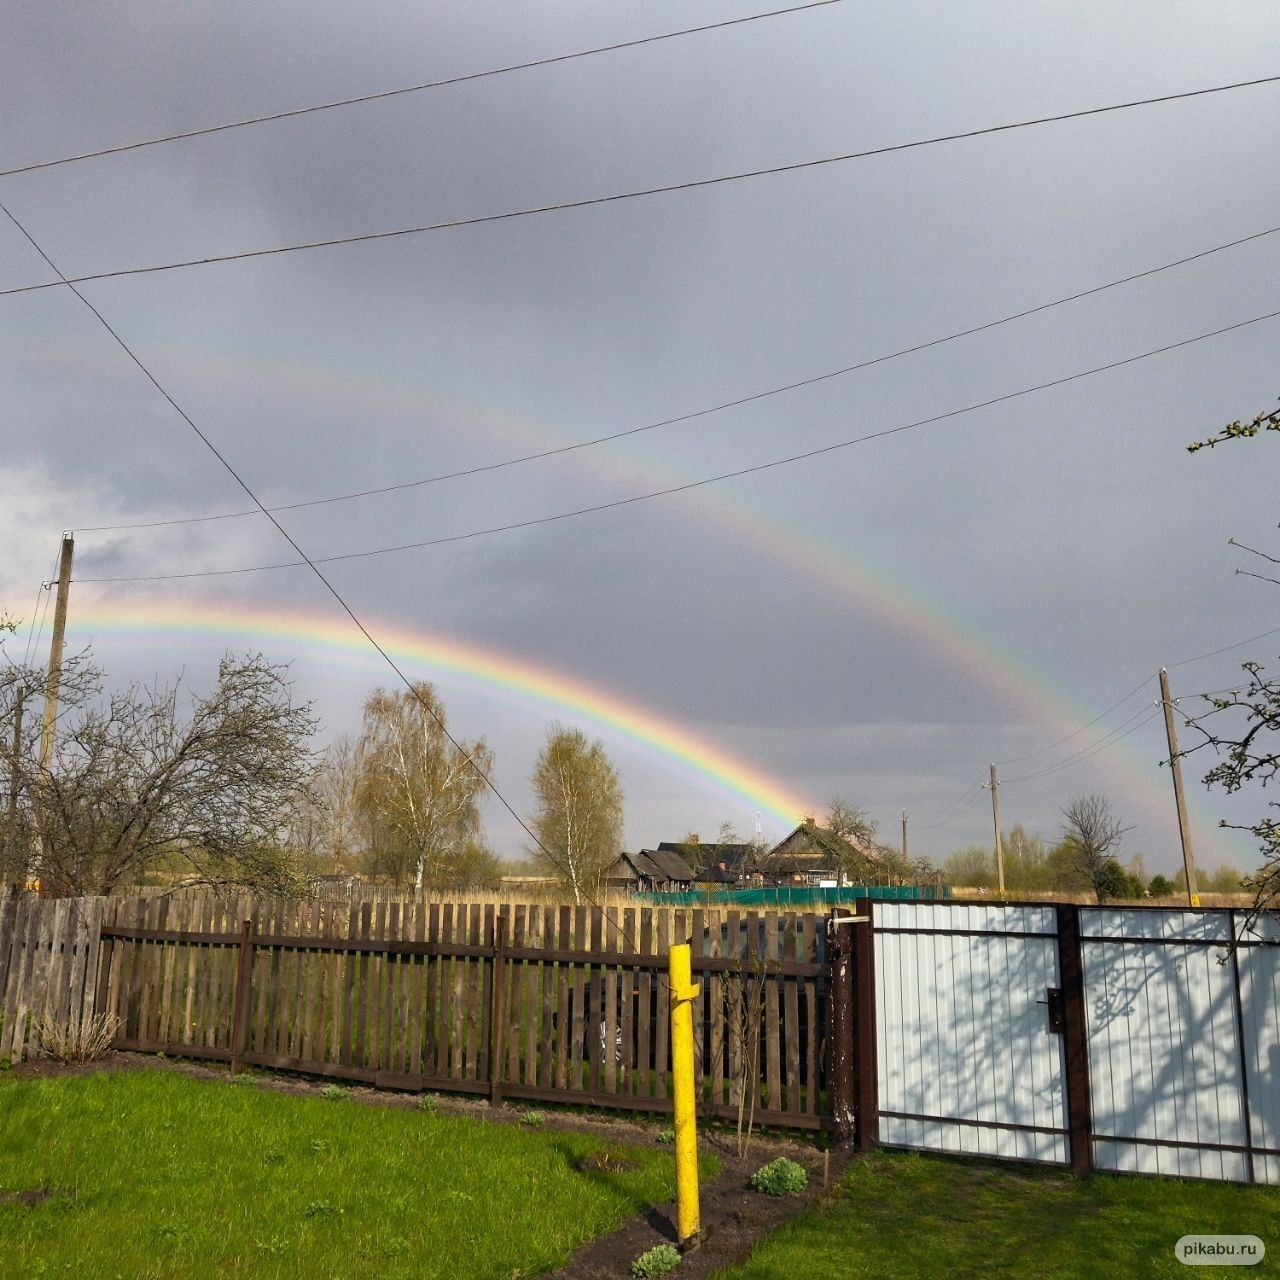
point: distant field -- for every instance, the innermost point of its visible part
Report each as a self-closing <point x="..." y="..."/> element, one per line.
<point x="154" y="1174"/>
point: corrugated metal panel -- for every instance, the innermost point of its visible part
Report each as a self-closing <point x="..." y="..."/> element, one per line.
<point x="1163" y="1046"/>
<point x="962" y="1036"/>
<point x="1260" y="1009"/>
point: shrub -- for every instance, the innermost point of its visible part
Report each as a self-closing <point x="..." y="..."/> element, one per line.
<point x="780" y="1177"/>
<point x="333" y="1092"/>
<point x="428" y="1102"/>
<point x="666" y="1136"/>
<point x="657" y="1261"/>
<point x="533" y="1118"/>
<point x="76" y="1041"/>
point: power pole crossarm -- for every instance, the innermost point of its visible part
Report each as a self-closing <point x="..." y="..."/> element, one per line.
<point x="1175" y="767"/>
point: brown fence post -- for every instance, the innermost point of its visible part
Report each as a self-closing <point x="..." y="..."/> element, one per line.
<point x="840" y="1082"/>
<point x="1075" y="1042"/>
<point x="866" y="1090"/>
<point x="497" y="1010"/>
<point x="242" y="1002"/>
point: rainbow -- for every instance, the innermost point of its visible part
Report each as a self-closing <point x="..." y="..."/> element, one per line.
<point x="470" y="666"/>
<point x="1024" y="690"/>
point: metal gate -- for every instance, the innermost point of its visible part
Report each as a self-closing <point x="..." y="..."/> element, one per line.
<point x="970" y="1014"/>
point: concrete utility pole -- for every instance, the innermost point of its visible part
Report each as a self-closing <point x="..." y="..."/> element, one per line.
<point x="995" y="817"/>
<point x="904" y="835"/>
<point x="55" y="653"/>
<point x="1175" y="767"/>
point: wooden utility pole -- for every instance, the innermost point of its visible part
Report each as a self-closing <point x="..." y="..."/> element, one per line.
<point x="1175" y="767"/>
<point x="904" y="835"/>
<point x="995" y="817"/>
<point x="55" y="653"/>
<point x="11" y="827"/>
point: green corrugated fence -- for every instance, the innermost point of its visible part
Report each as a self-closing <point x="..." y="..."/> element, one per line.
<point x="799" y="896"/>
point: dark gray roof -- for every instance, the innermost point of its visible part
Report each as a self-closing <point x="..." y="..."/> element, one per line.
<point x="667" y="864"/>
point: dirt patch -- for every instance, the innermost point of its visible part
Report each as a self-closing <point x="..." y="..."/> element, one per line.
<point x="734" y="1217"/>
<point x="31" y="1197"/>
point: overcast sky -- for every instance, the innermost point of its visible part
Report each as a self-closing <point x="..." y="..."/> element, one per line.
<point x="879" y="622"/>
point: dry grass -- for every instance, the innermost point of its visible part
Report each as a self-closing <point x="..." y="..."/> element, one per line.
<point x="75" y="1042"/>
<point x="1086" y="899"/>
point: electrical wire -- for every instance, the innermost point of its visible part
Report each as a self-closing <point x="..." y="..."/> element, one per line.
<point x="1101" y="716"/>
<point x="637" y="194"/>
<point x="962" y="805"/>
<point x="383" y="94"/>
<point x="31" y="625"/>
<point x="689" y="485"/>
<point x="1239" y="644"/>
<point x="1084" y="753"/>
<point x="690" y="416"/>
<point x="332" y="590"/>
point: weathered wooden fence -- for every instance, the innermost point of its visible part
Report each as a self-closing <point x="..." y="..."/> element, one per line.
<point x="48" y="966"/>
<point x="522" y="1001"/>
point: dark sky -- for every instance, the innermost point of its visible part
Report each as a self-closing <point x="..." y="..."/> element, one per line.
<point x="879" y="622"/>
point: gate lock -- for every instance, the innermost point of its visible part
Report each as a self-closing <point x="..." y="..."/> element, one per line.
<point x="1057" y="1009"/>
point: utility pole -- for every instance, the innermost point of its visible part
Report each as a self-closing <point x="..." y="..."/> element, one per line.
<point x="904" y="835"/>
<point x="55" y="653"/>
<point x="11" y="827"/>
<point x="995" y="817"/>
<point x="1175" y="767"/>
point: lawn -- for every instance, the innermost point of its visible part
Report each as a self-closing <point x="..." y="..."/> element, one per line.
<point x="156" y="1174"/>
<point x="904" y="1215"/>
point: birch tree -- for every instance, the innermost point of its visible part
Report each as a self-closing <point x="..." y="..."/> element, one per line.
<point x="418" y="794"/>
<point x="579" y="817"/>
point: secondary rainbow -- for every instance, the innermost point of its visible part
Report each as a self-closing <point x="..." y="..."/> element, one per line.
<point x="444" y="660"/>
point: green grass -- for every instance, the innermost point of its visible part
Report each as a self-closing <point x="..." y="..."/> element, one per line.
<point x="904" y="1215"/>
<point x="155" y="1174"/>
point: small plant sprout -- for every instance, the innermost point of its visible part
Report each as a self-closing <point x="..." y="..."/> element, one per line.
<point x="533" y="1117"/>
<point x="333" y="1093"/>
<point x="428" y="1102"/>
<point x="780" y="1177"/>
<point x="658" y="1261"/>
<point x="666" y="1136"/>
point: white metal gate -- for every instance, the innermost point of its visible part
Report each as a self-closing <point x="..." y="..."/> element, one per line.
<point x="968" y="1059"/>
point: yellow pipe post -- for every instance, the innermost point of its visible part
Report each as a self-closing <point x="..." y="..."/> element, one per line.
<point x="683" y="993"/>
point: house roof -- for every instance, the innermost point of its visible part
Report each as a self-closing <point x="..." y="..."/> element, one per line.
<point x="811" y="839"/>
<point x="707" y="852"/>
<point x="655" y="864"/>
<point x="670" y="864"/>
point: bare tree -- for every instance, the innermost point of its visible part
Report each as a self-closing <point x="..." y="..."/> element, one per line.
<point x="136" y="785"/>
<point x="1241" y="728"/>
<point x="1091" y="836"/>
<point x="579" y="819"/>
<point x="417" y="794"/>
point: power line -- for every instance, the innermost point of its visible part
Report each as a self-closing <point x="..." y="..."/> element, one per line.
<point x="689" y="485"/>
<point x="332" y="590"/>
<point x="641" y="193"/>
<point x="383" y="94"/>
<point x="1239" y="644"/>
<point x="961" y="805"/>
<point x="1084" y="753"/>
<point x="1101" y="716"/>
<point x="697" y="413"/>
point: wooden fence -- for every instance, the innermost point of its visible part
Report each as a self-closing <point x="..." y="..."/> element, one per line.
<point x="550" y="1003"/>
<point x="49" y="954"/>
